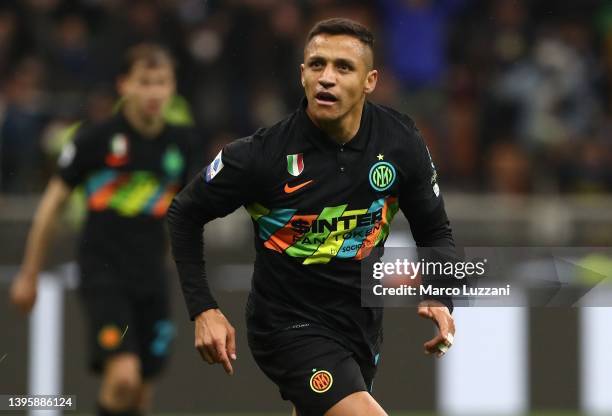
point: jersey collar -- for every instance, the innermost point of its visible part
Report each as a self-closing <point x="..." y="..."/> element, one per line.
<point x="317" y="137"/>
<point x="135" y="134"/>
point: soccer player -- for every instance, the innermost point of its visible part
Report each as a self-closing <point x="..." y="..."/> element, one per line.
<point x="131" y="166"/>
<point x="321" y="187"/>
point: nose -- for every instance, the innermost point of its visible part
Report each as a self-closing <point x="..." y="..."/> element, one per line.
<point x="328" y="77"/>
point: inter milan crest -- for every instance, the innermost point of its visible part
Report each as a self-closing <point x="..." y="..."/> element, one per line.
<point x="382" y="175"/>
<point x="321" y="381"/>
<point x="295" y="164"/>
<point x="173" y="161"/>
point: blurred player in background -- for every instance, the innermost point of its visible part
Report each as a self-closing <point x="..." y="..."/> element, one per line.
<point x="322" y="187"/>
<point x="131" y="166"/>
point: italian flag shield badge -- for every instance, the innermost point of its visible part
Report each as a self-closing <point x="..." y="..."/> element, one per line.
<point x="295" y="164"/>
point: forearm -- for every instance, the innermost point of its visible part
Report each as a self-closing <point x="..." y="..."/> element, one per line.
<point x="42" y="228"/>
<point x="430" y="225"/>
<point x="186" y="236"/>
<point x="434" y="238"/>
<point x="218" y="190"/>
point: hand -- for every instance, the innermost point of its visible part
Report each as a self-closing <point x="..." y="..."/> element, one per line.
<point x="440" y="314"/>
<point x="23" y="292"/>
<point x="215" y="339"/>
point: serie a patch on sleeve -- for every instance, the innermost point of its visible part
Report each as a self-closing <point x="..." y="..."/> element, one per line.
<point x="214" y="168"/>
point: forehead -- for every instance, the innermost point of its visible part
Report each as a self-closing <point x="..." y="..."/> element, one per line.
<point x="337" y="47"/>
<point x="144" y="69"/>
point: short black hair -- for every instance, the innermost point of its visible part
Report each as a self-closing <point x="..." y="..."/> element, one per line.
<point x="150" y="54"/>
<point x="342" y="26"/>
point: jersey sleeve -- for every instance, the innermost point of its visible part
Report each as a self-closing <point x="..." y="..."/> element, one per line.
<point x="78" y="157"/>
<point x="421" y="202"/>
<point x="219" y="189"/>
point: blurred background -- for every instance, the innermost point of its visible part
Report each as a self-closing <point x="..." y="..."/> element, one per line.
<point x="514" y="98"/>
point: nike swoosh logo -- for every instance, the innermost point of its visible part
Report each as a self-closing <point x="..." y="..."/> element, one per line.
<point x="291" y="189"/>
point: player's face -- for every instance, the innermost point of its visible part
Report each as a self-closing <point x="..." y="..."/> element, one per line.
<point x="336" y="75"/>
<point x="148" y="89"/>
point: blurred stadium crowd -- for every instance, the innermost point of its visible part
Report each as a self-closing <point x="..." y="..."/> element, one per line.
<point x="513" y="96"/>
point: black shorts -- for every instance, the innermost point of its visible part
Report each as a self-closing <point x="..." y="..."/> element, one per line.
<point x="121" y="321"/>
<point x="312" y="371"/>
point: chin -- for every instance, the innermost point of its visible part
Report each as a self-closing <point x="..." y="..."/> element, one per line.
<point x="152" y="115"/>
<point x="326" y="115"/>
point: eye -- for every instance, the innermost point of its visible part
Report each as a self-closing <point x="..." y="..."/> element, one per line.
<point x="316" y="65"/>
<point x="344" y="66"/>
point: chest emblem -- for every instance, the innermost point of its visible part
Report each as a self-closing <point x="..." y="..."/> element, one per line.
<point x="118" y="154"/>
<point x="173" y="161"/>
<point x="382" y="175"/>
<point x="295" y="164"/>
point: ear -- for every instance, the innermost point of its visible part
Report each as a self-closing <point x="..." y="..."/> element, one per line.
<point x="370" y="81"/>
<point x="302" y="75"/>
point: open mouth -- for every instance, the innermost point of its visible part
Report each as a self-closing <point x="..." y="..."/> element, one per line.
<point x="153" y="106"/>
<point x="325" y="98"/>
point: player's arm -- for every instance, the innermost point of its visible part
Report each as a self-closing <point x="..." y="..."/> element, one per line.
<point x="422" y="203"/>
<point x="74" y="163"/>
<point x="218" y="190"/>
<point x="23" y="289"/>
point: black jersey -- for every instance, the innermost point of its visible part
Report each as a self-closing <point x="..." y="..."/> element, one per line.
<point x="129" y="182"/>
<point x="318" y="209"/>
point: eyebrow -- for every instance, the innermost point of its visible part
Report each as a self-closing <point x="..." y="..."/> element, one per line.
<point x="347" y="62"/>
<point x="338" y="61"/>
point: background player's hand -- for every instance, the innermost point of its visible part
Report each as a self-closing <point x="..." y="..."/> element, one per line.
<point x="215" y="339"/>
<point x="23" y="292"/>
<point x="440" y="314"/>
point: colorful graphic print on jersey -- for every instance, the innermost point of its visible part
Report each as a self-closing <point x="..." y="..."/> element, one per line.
<point x="129" y="193"/>
<point x="333" y="233"/>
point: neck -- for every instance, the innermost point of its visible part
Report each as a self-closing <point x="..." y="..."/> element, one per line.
<point x="344" y="129"/>
<point x="149" y="127"/>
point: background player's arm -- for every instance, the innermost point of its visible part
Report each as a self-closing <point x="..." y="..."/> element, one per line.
<point x="221" y="188"/>
<point x="77" y="159"/>
<point x="23" y="289"/>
